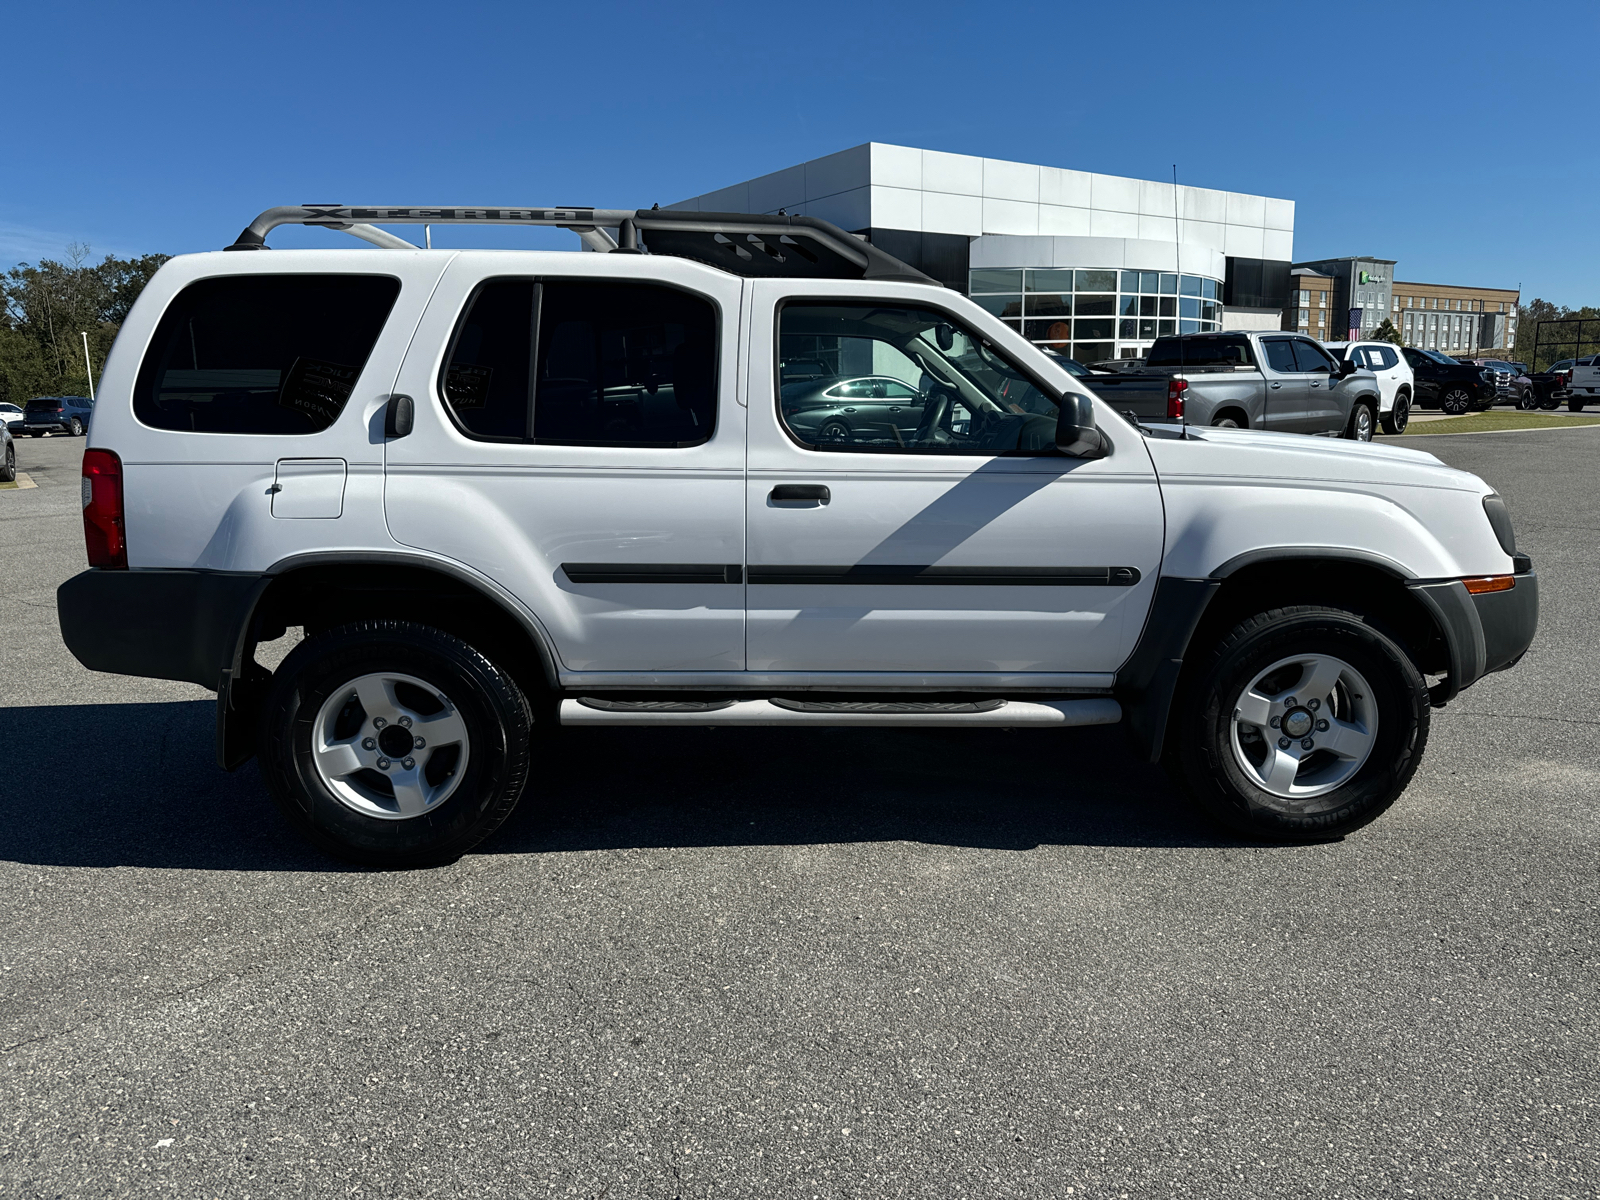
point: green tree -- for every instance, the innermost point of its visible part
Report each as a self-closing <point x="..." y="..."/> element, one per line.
<point x="45" y="310"/>
<point x="1386" y="332"/>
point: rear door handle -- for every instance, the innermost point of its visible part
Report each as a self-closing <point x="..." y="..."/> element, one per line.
<point x="801" y="491"/>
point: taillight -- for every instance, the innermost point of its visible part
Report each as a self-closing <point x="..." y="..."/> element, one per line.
<point x="1175" y="390"/>
<point x="104" y="533"/>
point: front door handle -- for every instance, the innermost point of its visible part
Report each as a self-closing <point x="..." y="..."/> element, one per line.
<point x="801" y="491"/>
<point x="1275" y="386"/>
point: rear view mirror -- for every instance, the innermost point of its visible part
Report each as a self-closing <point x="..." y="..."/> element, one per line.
<point x="1076" y="434"/>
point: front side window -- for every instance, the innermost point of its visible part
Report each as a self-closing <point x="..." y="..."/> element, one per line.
<point x="261" y="354"/>
<point x="587" y="364"/>
<point x="1312" y="357"/>
<point x="935" y="388"/>
<point x="1280" y="355"/>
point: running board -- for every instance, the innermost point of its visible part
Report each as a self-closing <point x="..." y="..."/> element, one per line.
<point x="1094" y="710"/>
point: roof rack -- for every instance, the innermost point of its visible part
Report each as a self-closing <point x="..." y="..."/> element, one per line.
<point x="751" y="245"/>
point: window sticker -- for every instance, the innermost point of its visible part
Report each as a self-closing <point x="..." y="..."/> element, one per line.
<point x="318" y="389"/>
<point x="467" y="385"/>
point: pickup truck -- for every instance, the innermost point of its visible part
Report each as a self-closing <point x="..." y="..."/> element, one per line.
<point x="501" y="490"/>
<point x="1241" y="380"/>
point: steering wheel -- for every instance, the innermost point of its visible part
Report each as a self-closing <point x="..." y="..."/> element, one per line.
<point x="935" y="413"/>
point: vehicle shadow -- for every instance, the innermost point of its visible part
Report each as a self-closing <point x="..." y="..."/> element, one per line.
<point x="136" y="785"/>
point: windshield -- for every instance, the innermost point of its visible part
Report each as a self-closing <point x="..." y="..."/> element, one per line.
<point x="1071" y="365"/>
<point x="1439" y="358"/>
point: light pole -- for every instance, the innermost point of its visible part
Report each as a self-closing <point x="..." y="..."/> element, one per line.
<point x="88" y="366"/>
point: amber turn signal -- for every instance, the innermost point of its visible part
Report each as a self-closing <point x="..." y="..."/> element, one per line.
<point x="1491" y="583"/>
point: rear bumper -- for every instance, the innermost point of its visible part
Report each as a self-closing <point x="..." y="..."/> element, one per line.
<point x="184" y="625"/>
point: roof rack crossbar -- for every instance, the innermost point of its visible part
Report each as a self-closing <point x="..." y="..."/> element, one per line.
<point x="746" y="244"/>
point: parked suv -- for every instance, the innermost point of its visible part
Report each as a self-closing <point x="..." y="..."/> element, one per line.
<point x="1393" y="373"/>
<point x="495" y="488"/>
<point x="56" y="414"/>
<point x="1442" y="382"/>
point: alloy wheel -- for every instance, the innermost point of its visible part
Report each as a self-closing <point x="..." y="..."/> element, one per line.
<point x="1455" y="402"/>
<point x="1303" y="727"/>
<point x="390" y="746"/>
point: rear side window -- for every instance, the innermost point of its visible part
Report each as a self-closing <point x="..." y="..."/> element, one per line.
<point x="602" y="364"/>
<point x="1201" y="352"/>
<point x="266" y="354"/>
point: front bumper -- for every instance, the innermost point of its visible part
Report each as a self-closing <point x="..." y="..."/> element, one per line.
<point x="184" y="625"/>
<point x="1487" y="632"/>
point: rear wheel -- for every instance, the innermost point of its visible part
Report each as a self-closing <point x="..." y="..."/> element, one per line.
<point x="1360" y="427"/>
<point x="1574" y="405"/>
<point x="1455" y="400"/>
<point x="394" y="744"/>
<point x="75" y="428"/>
<point x="1305" y="724"/>
<point x="1226" y="421"/>
<point x="1398" y="417"/>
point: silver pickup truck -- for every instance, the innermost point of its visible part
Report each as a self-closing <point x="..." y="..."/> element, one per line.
<point x="1276" y="381"/>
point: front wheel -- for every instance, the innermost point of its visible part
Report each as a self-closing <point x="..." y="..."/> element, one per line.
<point x="1528" y="401"/>
<point x="1360" y="427"/>
<point x="1398" y="417"/>
<point x="1455" y="401"/>
<point x="8" y="468"/>
<point x="1305" y="724"/>
<point x="394" y="744"/>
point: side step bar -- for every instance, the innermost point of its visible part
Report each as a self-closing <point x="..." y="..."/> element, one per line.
<point x="1090" y="710"/>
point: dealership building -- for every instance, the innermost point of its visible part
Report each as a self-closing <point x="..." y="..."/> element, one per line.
<point x="1092" y="266"/>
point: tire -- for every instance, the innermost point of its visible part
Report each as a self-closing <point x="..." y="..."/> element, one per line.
<point x="1574" y="405"/>
<point x="423" y="679"/>
<point x="1225" y="423"/>
<point x="1528" y="401"/>
<point x="1359" y="428"/>
<point x="76" y="428"/>
<point x="1397" y="418"/>
<point x="1227" y="769"/>
<point x="834" y="431"/>
<point x="8" y="468"/>
<point x="1455" y="401"/>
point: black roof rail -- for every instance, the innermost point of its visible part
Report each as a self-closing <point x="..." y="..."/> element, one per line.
<point x="747" y="244"/>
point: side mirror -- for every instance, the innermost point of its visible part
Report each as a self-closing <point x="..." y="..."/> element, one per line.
<point x="1347" y="366"/>
<point x="945" y="336"/>
<point x="1076" y="435"/>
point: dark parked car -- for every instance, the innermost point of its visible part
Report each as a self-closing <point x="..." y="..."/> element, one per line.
<point x="56" y="414"/>
<point x="1442" y="382"/>
<point x="1511" y="382"/>
<point x="828" y="410"/>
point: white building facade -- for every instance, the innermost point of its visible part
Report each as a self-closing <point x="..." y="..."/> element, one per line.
<point x="1092" y="266"/>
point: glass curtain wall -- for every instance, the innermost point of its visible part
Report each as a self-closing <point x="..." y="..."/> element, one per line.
<point x="1092" y="315"/>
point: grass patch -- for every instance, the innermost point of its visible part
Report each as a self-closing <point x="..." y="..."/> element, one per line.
<point x="1491" y="422"/>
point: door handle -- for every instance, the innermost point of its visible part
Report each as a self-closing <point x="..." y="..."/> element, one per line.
<point x="1274" y="386"/>
<point x="801" y="491"/>
<point x="398" y="417"/>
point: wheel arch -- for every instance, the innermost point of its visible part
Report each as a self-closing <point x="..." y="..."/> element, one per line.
<point x="1188" y="616"/>
<point x="1235" y="411"/>
<point x="322" y="590"/>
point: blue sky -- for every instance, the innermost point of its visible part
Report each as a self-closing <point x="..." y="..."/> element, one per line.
<point x="1452" y="137"/>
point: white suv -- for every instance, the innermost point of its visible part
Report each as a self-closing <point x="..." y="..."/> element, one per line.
<point x="1396" y="385"/>
<point x="500" y="487"/>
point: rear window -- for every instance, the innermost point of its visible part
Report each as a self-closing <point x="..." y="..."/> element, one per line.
<point x="266" y="354"/>
<point x="1201" y="352"/>
<point x="44" y="406"/>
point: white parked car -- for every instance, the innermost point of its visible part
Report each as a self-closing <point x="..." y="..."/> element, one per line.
<point x="10" y="413"/>
<point x="499" y="487"/>
<point x="1396" y="386"/>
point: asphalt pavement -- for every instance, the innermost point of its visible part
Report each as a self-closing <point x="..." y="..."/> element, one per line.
<point x="821" y="964"/>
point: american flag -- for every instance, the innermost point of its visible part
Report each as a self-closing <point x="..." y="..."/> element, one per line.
<point x="1355" y="325"/>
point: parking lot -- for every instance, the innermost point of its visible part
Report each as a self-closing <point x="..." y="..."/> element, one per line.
<point x="720" y="963"/>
